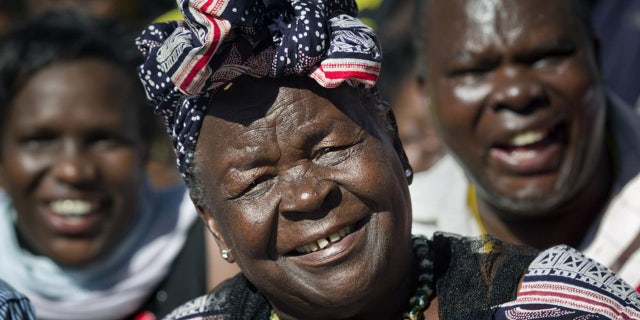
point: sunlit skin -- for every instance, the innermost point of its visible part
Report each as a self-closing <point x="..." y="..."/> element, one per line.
<point x="498" y="69"/>
<point x="71" y="133"/>
<point x="287" y="163"/>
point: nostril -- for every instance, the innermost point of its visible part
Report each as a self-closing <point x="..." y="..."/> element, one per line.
<point x="333" y="198"/>
<point x="524" y="97"/>
<point x="312" y="200"/>
<point x="74" y="171"/>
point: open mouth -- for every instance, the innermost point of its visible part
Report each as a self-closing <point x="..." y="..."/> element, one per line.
<point x="329" y="240"/>
<point x="73" y="216"/>
<point x="324" y="242"/>
<point x="71" y="207"/>
<point x="527" y="145"/>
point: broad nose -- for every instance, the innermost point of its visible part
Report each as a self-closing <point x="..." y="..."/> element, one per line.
<point x="74" y="165"/>
<point x="517" y="89"/>
<point x="304" y="195"/>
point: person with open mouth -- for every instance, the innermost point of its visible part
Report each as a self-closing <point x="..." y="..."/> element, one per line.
<point x="82" y="232"/>
<point x="517" y="96"/>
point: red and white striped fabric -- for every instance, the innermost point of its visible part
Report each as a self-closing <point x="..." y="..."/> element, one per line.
<point x="562" y="283"/>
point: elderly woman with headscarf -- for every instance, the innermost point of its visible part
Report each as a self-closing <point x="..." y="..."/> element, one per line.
<point x="295" y="166"/>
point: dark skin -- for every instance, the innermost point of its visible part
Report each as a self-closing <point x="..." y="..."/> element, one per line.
<point x="70" y="137"/>
<point x="287" y="163"/>
<point x="517" y="97"/>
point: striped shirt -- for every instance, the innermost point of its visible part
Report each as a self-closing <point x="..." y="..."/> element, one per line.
<point x="13" y="305"/>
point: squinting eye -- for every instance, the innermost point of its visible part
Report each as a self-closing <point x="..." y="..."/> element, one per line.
<point x="550" y="60"/>
<point x="470" y="71"/>
<point x="38" y="143"/>
<point x="257" y="187"/>
<point x="330" y="156"/>
<point x="108" y="141"/>
<point x="552" y="56"/>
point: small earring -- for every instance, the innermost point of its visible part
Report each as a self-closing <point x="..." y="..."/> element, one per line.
<point x="225" y="254"/>
<point x="408" y="173"/>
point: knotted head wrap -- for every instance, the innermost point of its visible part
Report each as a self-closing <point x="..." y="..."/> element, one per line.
<point x="219" y="40"/>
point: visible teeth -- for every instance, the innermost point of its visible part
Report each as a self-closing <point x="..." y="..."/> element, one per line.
<point x="526" y="138"/>
<point x="516" y="156"/>
<point x="523" y="155"/>
<point x="70" y="207"/>
<point x="324" y="242"/>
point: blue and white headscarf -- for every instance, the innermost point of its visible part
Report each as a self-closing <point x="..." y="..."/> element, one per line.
<point x="219" y="40"/>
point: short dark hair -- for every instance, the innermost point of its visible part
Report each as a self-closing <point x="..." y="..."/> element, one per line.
<point x="63" y="36"/>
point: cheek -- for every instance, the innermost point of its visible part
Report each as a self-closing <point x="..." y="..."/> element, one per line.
<point x="246" y="226"/>
<point x="454" y="119"/>
<point x="378" y="179"/>
<point x="123" y="168"/>
<point x="470" y="94"/>
<point x="456" y="103"/>
<point x="574" y="82"/>
<point x="20" y="170"/>
<point x="583" y="98"/>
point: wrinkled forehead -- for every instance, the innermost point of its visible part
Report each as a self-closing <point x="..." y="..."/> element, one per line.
<point x="500" y="18"/>
<point x="248" y="100"/>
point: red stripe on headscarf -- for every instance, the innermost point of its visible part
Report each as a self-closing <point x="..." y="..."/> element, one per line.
<point x="202" y="62"/>
<point x="350" y="74"/>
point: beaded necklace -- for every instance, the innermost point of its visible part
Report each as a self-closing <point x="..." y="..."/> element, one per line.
<point x="424" y="291"/>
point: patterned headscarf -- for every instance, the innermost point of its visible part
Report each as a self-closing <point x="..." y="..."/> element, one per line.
<point x="219" y="40"/>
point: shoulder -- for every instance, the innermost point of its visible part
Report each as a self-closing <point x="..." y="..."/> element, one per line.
<point x="562" y="281"/>
<point x="14" y="305"/>
<point x="488" y="269"/>
<point x="214" y="303"/>
<point x="235" y="298"/>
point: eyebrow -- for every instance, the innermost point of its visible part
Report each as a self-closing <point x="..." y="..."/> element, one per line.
<point x="562" y="43"/>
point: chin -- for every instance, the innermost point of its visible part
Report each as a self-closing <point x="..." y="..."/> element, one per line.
<point x="78" y="253"/>
<point x="537" y="205"/>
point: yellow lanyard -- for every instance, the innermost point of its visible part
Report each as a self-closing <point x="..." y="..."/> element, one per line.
<point x="472" y="203"/>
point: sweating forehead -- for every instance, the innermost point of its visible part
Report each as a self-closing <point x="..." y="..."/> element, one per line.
<point x="491" y="16"/>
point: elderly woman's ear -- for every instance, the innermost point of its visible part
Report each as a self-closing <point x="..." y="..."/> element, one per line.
<point x="207" y="216"/>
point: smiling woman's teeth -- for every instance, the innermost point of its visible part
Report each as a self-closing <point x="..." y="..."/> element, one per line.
<point x="527" y="138"/>
<point x="70" y="207"/>
<point x="324" y="242"/>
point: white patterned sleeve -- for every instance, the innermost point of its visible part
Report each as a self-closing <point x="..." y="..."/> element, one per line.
<point x="563" y="283"/>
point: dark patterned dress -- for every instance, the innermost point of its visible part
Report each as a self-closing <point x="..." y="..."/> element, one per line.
<point x="476" y="279"/>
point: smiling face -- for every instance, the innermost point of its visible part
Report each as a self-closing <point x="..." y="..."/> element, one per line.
<point x="517" y="97"/>
<point x="309" y="193"/>
<point x="71" y="160"/>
